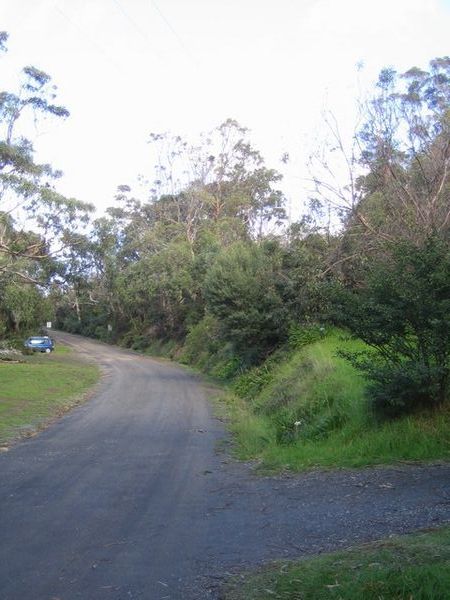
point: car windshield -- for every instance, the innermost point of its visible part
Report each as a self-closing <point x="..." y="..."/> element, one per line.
<point x="39" y="340"/>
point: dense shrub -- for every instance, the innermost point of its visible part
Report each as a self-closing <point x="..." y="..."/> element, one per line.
<point x="302" y="335"/>
<point x="397" y="390"/>
<point x="403" y="313"/>
<point x="202" y="342"/>
<point x="206" y="349"/>
<point x="250" y="383"/>
<point x="243" y="291"/>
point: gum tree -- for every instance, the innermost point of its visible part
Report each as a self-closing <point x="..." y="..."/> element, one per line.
<point x="36" y="221"/>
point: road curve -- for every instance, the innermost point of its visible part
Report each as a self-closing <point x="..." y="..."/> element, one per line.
<point x="129" y="496"/>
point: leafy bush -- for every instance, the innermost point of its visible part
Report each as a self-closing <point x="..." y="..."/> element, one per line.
<point x="302" y="335"/>
<point x="67" y="321"/>
<point x="140" y="343"/>
<point x="226" y="364"/>
<point x="22" y="308"/>
<point x="207" y="350"/>
<point x="243" y="290"/>
<point x="403" y="314"/>
<point x="202" y="342"/>
<point x="397" y="390"/>
<point x="249" y="384"/>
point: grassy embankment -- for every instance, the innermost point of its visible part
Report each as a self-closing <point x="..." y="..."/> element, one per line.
<point x="413" y="567"/>
<point x="40" y="388"/>
<point x="308" y="410"/>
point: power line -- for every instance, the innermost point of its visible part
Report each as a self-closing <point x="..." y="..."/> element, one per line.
<point x="174" y="32"/>
<point x="137" y="28"/>
<point x="89" y="39"/>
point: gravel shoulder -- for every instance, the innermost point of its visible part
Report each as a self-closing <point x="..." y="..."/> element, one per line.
<point x="130" y="496"/>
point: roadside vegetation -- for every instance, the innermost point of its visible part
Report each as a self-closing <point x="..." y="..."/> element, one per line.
<point x="414" y="567"/>
<point x="38" y="388"/>
<point x="308" y="409"/>
<point x="332" y="332"/>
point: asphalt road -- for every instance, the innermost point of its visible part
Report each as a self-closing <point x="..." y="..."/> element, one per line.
<point x="132" y="495"/>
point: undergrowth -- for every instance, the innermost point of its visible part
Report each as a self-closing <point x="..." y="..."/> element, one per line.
<point x="305" y="406"/>
<point x="307" y="409"/>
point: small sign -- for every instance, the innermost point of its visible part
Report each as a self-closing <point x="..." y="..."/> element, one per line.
<point x="49" y="324"/>
<point x="109" y="327"/>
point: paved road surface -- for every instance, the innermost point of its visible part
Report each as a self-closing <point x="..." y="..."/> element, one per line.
<point x="129" y="496"/>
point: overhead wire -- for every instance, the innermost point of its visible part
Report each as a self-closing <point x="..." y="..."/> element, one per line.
<point x="174" y="32"/>
<point x="137" y="28"/>
<point x="89" y="39"/>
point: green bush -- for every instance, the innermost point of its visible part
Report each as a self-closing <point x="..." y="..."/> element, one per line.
<point x="126" y="340"/>
<point x="403" y="313"/>
<point x="205" y="349"/>
<point x="226" y="364"/>
<point x="398" y="390"/>
<point x="250" y="383"/>
<point x="202" y="343"/>
<point x="302" y="335"/>
<point x="140" y="343"/>
<point x="244" y="291"/>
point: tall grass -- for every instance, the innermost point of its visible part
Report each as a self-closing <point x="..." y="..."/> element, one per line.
<point x="310" y="411"/>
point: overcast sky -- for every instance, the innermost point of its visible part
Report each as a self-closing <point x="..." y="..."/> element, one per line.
<point x="125" y="68"/>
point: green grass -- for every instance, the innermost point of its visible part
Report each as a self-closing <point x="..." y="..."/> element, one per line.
<point x="310" y="411"/>
<point x="39" y="389"/>
<point x="413" y="567"/>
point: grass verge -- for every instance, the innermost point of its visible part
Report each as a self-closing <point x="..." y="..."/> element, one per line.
<point x="412" y="567"/>
<point x="43" y="387"/>
<point x="309" y="410"/>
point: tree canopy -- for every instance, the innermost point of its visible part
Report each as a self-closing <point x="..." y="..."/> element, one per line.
<point x="200" y="255"/>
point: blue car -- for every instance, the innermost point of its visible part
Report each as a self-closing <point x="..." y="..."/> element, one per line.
<point x="40" y="343"/>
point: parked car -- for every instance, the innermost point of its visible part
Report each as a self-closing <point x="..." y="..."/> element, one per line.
<point x="40" y="343"/>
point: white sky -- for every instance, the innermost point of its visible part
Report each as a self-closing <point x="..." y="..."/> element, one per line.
<point x="125" y="68"/>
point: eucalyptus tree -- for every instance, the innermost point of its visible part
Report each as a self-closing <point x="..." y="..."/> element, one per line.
<point x="394" y="253"/>
<point x="223" y="177"/>
<point x="203" y="197"/>
<point x="406" y="149"/>
<point x="392" y="180"/>
<point x="36" y="221"/>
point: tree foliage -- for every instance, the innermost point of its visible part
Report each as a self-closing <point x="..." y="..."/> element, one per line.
<point x="244" y="290"/>
<point x="403" y="313"/>
<point x="37" y="223"/>
<point x="200" y="254"/>
<point x="27" y="192"/>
